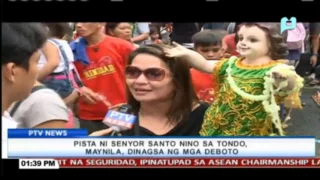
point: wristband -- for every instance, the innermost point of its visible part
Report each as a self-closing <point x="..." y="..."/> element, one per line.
<point x="80" y="84"/>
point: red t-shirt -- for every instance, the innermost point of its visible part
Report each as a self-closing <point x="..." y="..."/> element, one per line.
<point x="231" y="43"/>
<point x="203" y="85"/>
<point x="104" y="75"/>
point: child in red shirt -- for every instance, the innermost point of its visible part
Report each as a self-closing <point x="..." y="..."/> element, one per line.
<point x="208" y="43"/>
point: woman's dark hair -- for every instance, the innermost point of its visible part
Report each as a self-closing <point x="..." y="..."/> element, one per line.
<point x="59" y="30"/>
<point x="236" y="38"/>
<point x="110" y="27"/>
<point x="237" y="26"/>
<point x="278" y="46"/>
<point x="184" y="96"/>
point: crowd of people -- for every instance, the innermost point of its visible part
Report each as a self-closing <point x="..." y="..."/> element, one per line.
<point x="181" y="79"/>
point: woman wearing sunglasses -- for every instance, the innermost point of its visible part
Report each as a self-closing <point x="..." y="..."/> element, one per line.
<point x="161" y="94"/>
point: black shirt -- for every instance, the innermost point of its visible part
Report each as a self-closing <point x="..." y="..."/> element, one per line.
<point x="183" y="32"/>
<point x="188" y="128"/>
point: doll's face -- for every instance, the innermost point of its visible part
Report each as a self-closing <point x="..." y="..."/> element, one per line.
<point x="253" y="42"/>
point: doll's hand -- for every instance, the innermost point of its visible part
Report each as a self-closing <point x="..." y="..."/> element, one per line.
<point x="177" y="51"/>
<point x="278" y="78"/>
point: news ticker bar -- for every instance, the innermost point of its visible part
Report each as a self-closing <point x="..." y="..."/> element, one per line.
<point x="48" y="143"/>
<point x="74" y="133"/>
<point x="148" y="148"/>
<point x="170" y="163"/>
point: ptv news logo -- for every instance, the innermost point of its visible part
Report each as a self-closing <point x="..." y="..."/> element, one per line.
<point x="120" y="119"/>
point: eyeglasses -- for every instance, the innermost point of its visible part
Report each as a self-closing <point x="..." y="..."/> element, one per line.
<point x="152" y="74"/>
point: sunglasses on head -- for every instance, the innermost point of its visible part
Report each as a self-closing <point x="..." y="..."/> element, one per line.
<point x="152" y="74"/>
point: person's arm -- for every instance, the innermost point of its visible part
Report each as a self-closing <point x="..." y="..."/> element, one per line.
<point x="314" y="35"/>
<point x="84" y="92"/>
<point x="315" y="44"/>
<point x="72" y="97"/>
<point x="195" y="59"/>
<point x="47" y="110"/>
<point x="103" y="132"/>
<point x="143" y="29"/>
<point x="51" y="52"/>
<point x="54" y="123"/>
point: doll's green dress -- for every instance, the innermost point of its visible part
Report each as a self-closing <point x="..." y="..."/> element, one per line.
<point x="232" y="115"/>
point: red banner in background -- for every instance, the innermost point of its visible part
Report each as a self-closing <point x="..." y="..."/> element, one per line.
<point x="191" y="163"/>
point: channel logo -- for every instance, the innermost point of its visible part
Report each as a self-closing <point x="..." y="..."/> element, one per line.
<point x="288" y="24"/>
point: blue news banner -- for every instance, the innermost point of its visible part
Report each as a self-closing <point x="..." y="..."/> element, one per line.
<point x="54" y="143"/>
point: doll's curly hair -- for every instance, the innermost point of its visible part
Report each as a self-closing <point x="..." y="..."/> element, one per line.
<point x="278" y="45"/>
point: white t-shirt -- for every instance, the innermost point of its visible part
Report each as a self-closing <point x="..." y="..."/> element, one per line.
<point x="41" y="106"/>
<point x="7" y="123"/>
<point x="67" y="49"/>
